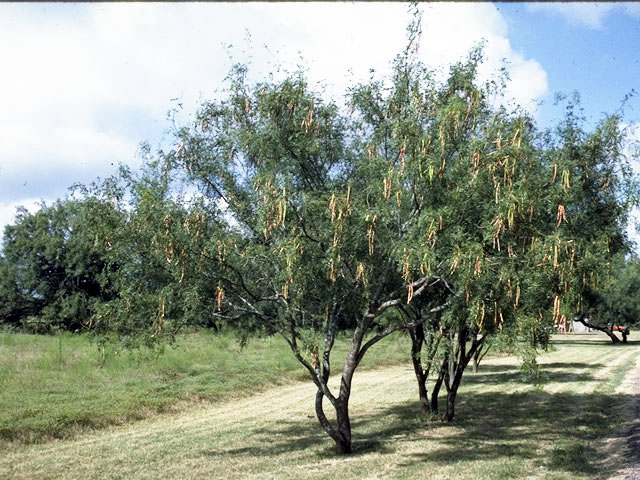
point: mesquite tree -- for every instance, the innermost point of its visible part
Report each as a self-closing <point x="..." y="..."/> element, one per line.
<point x="350" y="220"/>
<point x="461" y="184"/>
<point x="412" y="210"/>
<point x="517" y="231"/>
<point x="313" y="239"/>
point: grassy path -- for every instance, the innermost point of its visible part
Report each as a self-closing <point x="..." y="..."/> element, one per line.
<point x="504" y="429"/>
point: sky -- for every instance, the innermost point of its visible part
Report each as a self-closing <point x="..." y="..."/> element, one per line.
<point x="82" y="85"/>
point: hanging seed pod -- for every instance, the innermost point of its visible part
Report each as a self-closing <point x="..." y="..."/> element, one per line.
<point x="477" y="270"/>
<point x="454" y="265"/>
<point x="406" y="270"/>
<point x="219" y="297"/>
<point x="556" y="309"/>
<point x="371" y="234"/>
<point x="386" y="187"/>
<point x="360" y="274"/>
<point x="561" y="216"/>
<point x="482" y="312"/>
<point x="566" y="184"/>
<point x="332" y="207"/>
<point x="410" y="293"/>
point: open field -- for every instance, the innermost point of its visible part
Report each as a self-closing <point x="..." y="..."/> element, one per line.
<point x="568" y="428"/>
<point x="57" y="387"/>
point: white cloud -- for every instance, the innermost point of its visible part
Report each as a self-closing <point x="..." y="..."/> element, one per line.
<point x="451" y="30"/>
<point x="82" y="84"/>
<point x="591" y="15"/>
<point x="8" y="211"/>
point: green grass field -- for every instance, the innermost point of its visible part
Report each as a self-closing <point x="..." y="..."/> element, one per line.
<point x="57" y="387"/>
<point x="569" y="427"/>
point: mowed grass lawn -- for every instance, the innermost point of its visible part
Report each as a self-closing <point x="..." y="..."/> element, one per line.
<point x="570" y="427"/>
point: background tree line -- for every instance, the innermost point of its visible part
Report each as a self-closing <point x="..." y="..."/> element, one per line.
<point x="423" y="206"/>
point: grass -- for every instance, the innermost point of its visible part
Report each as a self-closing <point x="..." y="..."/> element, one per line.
<point x="57" y="387"/>
<point x="503" y="428"/>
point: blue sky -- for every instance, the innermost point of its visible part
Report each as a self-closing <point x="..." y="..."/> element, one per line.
<point x="83" y="84"/>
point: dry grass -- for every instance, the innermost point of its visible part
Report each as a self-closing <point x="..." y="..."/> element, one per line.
<point x="503" y="429"/>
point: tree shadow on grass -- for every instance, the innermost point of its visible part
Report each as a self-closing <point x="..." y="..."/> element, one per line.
<point x="289" y="436"/>
<point x="500" y="374"/>
<point x="487" y="426"/>
<point x="604" y="342"/>
<point x="494" y="425"/>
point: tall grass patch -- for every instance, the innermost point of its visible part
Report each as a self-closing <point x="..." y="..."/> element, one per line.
<point x="57" y="386"/>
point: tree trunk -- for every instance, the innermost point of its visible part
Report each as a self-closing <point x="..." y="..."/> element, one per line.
<point x="461" y="365"/>
<point x="343" y="440"/>
<point x="341" y="435"/>
<point x="452" y="393"/>
<point x="341" y="405"/>
<point x="582" y="320"/>
<point x="436" y="388"/>
<point x="417" y="339"/>
<point x="474" y="366"/>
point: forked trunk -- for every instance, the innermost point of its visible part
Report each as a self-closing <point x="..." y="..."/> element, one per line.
<point x="341" y="435"/>
<point x="460" y="364"/>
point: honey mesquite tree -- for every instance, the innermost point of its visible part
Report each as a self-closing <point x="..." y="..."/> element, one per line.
<point x="312" y="238"/>
<point x="413" y="208"/>
<point x="379" y="220"/>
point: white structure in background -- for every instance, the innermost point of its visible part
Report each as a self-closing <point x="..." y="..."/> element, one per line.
<point x="579" y="327"/>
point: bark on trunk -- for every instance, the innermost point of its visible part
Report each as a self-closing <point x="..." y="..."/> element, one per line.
<point x="611" y="335"/>
<point x="340" y="435"/>
<point x="343" y="442"/>
<point x="452" y="393"/>
<point x="436" y="388"/>
<point x="417" y="339"/>
<point x="462" y="363"/>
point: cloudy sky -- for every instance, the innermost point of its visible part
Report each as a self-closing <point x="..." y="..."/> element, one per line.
<point x="83" y="84"/>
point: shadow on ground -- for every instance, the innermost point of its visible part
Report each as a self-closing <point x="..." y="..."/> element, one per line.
<point x="489" y="425"/>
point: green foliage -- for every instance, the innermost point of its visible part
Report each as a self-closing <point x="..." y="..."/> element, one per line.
<point x="424" y="204"/>
<point x="618" y="302"/>
<point x="153" y="239"/>
<point x="51" y="274"/>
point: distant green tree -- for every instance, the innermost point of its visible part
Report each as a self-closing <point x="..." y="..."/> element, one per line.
<point x="621" y="296"/>
<point x="51" y="273"/>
